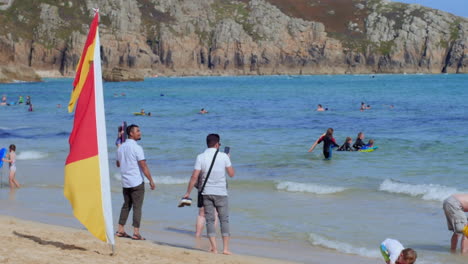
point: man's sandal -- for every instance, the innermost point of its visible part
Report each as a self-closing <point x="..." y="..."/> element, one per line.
<point x="138" y="237"/>
<point x="122" y="234"/>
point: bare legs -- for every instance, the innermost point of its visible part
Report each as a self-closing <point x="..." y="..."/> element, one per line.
<point x="12" y="180"/>
<point x="463" y="243"/>
<point x="214" y="246"/>
<point x="454" y="242"/>
<point x="200" y="223"/>
<point x="226" y="246"/>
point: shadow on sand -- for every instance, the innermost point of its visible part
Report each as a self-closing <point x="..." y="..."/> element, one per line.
<point x="46" y="242"/>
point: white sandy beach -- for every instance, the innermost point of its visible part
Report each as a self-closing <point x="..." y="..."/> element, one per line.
<point x="32" y="242"/>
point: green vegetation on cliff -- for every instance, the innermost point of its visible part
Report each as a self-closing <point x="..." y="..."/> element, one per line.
<point x="237" y="11"/>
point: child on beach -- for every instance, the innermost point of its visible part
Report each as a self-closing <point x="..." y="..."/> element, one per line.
<point x="347" y="145"/>
<point x="11" y="159"/>
<point x="393" y="252"/>
<point x="328" y="143"/>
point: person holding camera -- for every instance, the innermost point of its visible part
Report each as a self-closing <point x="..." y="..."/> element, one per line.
<point x="214" y="195"/>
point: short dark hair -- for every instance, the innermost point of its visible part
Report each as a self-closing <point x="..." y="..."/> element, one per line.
<point x="12" y="147"/>
<point x="212" y="139"/>
<point x="130" y="128"/>
<point x="409" y="255"/>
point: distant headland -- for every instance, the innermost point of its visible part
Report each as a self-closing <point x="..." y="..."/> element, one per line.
<point x="244" y="37"/>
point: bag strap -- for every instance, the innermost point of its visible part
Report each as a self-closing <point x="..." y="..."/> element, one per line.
<point x="209" y="171"/>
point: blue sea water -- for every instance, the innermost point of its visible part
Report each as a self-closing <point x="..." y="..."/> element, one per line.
<point x="349" y="203"/>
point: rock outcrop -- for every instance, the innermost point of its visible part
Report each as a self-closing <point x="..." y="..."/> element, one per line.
<point x="16" y="73"/>
<point x="121" y="74"/>
<point x="220" y="37"/>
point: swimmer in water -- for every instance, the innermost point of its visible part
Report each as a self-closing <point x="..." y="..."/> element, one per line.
<point x="328" y="143"/>
<point x="363" y="106"/>
<point x="347" y="145"/>
<point x="359" y="143"/>
<point x="370" y="144"/>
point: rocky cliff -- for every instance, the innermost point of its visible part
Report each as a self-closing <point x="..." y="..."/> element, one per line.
<point x="222" y="37"/>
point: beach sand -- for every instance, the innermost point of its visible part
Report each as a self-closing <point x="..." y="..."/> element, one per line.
<point x="33" y="242"/>
<point x="36" y="243"/>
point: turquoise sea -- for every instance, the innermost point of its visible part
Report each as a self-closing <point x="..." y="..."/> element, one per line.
<point x="281" y="193"/>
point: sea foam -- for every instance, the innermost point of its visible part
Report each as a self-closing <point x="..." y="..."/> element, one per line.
<point x="308" y="187"/>
<point x="159" y="179"/>
<point x="30" y="155"/>
<point x="343" y="247"/>
<point x="430" y="192"/>
<point x="170" y="180"/>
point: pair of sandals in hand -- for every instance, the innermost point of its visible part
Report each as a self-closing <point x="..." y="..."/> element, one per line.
<point x="125" y="235"/>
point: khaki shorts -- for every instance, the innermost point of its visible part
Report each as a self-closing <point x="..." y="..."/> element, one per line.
<point x="456" y="218"/>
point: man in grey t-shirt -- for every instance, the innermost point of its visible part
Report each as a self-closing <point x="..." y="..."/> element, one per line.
<point x="215" y="196"/>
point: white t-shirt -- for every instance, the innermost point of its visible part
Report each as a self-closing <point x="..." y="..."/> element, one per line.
<point x="216" y="184"/>
<point x="128" y="155"/>
<point x="394" y="248"/>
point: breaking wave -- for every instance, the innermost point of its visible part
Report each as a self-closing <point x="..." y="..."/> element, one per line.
<point x="308" y="187"/>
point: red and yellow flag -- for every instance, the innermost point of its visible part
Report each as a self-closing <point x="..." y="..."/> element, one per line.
<point x="87" y="169"/>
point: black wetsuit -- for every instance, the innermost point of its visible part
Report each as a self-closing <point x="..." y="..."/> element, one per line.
<point x="328" y="142"/>
<point x="358" y="144"/>
<point x="345" y="147"/>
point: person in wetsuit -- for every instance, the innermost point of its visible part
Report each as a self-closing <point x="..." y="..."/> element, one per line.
<point x="359" y="143"/>
<point x="328" y="142"/>
<point x="347" y="145"/>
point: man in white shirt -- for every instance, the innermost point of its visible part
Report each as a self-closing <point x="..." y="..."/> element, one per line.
<point x="215" y="196"/>
<point x="132" y="163"/>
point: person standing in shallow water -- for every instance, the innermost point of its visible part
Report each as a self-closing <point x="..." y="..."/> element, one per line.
<point x="455" y="207"/>
<point x="215" y="195"/>
<point x="11" y="159"/>
<point x="328" y="143"/>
